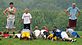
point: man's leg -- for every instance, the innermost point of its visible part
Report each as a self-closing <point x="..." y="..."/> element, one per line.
<point x="13" y="25"/>
<point x="8" y="25"/>
<point x="74" y="23"/>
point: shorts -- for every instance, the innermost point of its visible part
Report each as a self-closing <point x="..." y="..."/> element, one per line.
<point x="55" y="38"/>
<point x="51" y="35"/>
<point x="72" y="23"/>
<point x="64" y="35"/>
<point x="26" y="34"/>
<point x="27" y="26"/>
<point x="10" y="22"/>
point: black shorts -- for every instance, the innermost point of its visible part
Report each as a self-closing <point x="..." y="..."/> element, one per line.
<point x="27" y="26"/>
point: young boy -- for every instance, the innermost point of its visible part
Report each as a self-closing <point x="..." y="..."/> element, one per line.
<point x="56" y="33"/>
<point x="37" y="32"/>
<point x="25" y="34"/>
<point x="72" y="33"/>
<point x="44" y="32"/>
<point x="63" y="35"/>
<point x="26" y="18"/>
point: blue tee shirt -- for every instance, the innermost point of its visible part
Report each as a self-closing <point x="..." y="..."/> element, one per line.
<point x="73" y="12"/>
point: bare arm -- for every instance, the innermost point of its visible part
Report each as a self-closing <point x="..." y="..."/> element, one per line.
<point x="67" y="13"/>
<point x="78" y="13"/>
<point x="21" y="21"/>
<point x="5" y="11"/>
<point x="14" y="11"/>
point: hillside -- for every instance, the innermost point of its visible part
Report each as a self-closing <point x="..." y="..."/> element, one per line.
<point x="41" y="4"/>
<point x="44" y="12"/>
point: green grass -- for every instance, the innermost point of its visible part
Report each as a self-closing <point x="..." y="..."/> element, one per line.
<point x="48" y="18"/>
<point x="44" y="12"/>
<point x="11" y="41"/>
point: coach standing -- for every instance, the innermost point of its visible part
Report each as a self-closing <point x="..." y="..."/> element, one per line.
<point x="73" y="12"/>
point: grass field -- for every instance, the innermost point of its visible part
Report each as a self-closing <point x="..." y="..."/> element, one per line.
<point x="41" y="18"/>
<point x="44" y="12"/>
<point x="11" y="41"/>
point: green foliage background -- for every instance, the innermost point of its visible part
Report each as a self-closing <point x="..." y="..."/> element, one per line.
<point x="44" y="12"/>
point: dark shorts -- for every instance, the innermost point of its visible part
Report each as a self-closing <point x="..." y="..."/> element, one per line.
<point x="27" y="26"/>
<point x="72" y="23"/>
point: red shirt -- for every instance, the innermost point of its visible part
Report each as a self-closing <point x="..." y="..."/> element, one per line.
<point x="46" y="30"/>
<point x="5" y="35"/>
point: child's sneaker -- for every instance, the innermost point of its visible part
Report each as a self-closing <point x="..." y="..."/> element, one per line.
<point x="74" y="40"/>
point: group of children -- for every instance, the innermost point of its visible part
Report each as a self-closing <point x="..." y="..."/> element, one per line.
<point x="57" y="34"/>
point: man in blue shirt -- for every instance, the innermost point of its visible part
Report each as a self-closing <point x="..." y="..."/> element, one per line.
<point x="73" y="12"/>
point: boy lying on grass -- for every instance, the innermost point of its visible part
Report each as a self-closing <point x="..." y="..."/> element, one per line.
<point x="55" y="35"/>
<point x="44" y="32"/>
<point x="6" y="35"/>
<point x="62" y="35"/>
<point x="25" y="34"/>
<point x="72" y="33"/>
<point x="36" y="32"/>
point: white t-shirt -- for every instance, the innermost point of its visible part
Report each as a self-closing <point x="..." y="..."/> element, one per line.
<point x="64" y="35"/>
<point x="57" y="30"/>
<point x="42" y="32"/>
<point x="18" y="35"/>
<point x="70" y="30"/>
<point x="27" y="18"/>
<point x="37" y="32"/>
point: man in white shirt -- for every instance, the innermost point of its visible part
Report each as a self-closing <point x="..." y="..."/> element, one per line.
<point x="26" y="19"/>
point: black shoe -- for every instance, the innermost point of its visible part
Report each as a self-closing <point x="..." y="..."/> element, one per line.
<point x="0" y="39"/>
<point x="13" y="32"/>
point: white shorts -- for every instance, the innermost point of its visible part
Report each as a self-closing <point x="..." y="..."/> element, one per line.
<point x="18" y="35"/>
<point x="10" y="21"/>
<point x="64" y="35"/>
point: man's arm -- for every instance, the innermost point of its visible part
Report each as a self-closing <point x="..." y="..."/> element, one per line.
<point x="22" y="20"/>
<point x="14" y="11"/>
<point x="78" y="13"/>
<point x="5" y="11"/>
<point x="67" y="11"/>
